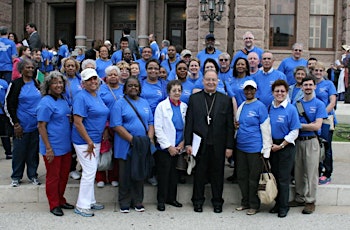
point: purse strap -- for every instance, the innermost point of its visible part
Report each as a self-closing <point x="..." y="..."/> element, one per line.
<point x="137" y="113"/>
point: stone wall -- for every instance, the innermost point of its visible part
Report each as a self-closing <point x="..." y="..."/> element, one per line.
<point x="6" y="14"/>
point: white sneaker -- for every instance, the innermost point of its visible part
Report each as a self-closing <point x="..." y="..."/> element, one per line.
<point x="100" y="184"/>
<point x="115" y="183"/>
<point x="74" y="175"/>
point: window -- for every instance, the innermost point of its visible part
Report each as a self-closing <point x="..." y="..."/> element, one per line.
<point x="282" y="23"/>
<point x="321" y="24"/>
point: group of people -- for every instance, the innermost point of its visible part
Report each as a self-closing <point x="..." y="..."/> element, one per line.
<point x="168" y="104"/>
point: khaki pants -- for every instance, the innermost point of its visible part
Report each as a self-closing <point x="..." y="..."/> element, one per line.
<point x="306" y="170"/>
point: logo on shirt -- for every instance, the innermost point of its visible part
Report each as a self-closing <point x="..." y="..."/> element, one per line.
<point x="251" y="114"/>
<point x="280" y="118"/>
<point x="312" y="109"/>
<point x="159" y="92"/>
<point x="146" y="110"/>
<point x="4" y="47"/>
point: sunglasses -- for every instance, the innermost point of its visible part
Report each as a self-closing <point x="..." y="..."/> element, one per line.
<point x="223" y="59"/>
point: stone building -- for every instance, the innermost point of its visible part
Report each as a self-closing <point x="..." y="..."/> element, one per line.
<point x="321" y="25"/>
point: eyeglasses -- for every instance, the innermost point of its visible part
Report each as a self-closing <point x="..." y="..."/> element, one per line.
<point x="132" y="85"/>
<point x="298" y="50"/>
<point x="318" y="70"/>
<point x="223" y="59"/>
<point x="279" y="91"/>
<point x="182" y="68"/>
<point x="152" y="68"/>
<point x="248" y="38"/>
<point x="267" y="58"/>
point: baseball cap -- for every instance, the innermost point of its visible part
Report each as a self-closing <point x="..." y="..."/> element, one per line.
<point x="250" y="83"/>
<point x="210" y="36"/>
<point x="107" y="43"/>
<point x="88" y="73"/>
<point x="186" y="52"/>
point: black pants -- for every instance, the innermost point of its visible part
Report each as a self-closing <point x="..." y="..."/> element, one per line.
<point x="167" y="176"/>
<point x="282" y="163"/>
<point x="130" y="191"/>
<point x="248" y="172"/>
<point x="209" y="167"/>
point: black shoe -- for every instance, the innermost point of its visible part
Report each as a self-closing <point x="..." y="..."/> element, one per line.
<point x="198" y="208"/>
<point x="218" y="209"/>
<point x="230" y="178"/>
<point x="57" y="211"/>
<point x="283" y="213"/>
<point x="8" y="157"/>
<point x="275" y="209"/>
<point x="67" y="206"/>
<point x="175" y="204"/>
<point x="161" y="207"/>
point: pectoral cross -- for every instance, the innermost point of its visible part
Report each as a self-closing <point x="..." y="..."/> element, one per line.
<point x="208" y="119"/>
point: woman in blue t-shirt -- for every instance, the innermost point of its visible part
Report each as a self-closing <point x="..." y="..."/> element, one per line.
<point x="326" y="92"/>
<point x="130" y="127"/>
<point x="90" y="115"/>
<point x="285" y="127"/>
<point x="253" y="141"/>
<point x="54" y="117"/>
<point x="21" y="101"/>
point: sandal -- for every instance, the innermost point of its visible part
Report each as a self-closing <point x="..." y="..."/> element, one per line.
<point x="241" y="208"/>
<point x="252" y="211"/>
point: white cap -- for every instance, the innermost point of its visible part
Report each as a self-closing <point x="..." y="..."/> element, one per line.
<point x="186" y="52"/>
<point x="251" y="83"/>
<point x="88" y="73"/>
<point x="107" y="43"/>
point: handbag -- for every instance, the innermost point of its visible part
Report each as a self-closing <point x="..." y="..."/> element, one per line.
<point x="323" y="137"/>
<point x="267" y="189"/>
<point x="106" y="156"/>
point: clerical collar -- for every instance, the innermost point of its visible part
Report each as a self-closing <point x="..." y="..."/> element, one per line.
<point x="209" y="94"/>
<point x="175" y="103"/>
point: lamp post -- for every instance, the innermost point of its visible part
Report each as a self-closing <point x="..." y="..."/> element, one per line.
<point x="209" y="11"/>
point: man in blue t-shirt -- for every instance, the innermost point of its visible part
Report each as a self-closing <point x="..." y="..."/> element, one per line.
<point x="308" y="148"/>
<point x="288" y="64"/>
<point x="8" y="53"/>
<point x="154" y="46"/>
<point x="170" y="63"/>
<point x="248" y="39"/>
<point x="145" y="56"/>
<point x="209" y="51"/>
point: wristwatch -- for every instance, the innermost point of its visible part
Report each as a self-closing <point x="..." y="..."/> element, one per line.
<point x="282" y="146"/>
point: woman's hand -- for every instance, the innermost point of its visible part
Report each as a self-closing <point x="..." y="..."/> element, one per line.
<point x="18" y="131"/>
<point x="173" y="150"/>
<point x="90" y="150"/>
<point x="49" y="155"/>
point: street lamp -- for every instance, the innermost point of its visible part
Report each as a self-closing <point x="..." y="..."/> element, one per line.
<point x="208" y="10"/>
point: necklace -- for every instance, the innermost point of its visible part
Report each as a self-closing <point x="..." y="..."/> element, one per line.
<point x="210" y="109"/>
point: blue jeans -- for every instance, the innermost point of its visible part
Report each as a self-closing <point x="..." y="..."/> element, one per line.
<point x="25" y="152"/>
<point x="327" y="163"/>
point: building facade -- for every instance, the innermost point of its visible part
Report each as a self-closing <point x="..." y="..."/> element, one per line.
<point x="321" y="25"/>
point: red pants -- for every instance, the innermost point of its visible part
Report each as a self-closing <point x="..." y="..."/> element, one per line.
<point x="57" y="173"/>
<point x="113" y="175"/>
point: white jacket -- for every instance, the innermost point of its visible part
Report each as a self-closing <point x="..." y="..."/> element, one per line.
<point x="163" y="124"/>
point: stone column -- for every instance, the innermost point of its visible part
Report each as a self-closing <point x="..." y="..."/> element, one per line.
<point x="143" y="22"/>
<point x="80" y="36"/>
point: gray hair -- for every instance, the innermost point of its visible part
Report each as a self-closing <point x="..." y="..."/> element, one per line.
<point x="247" y="33"/>
<point x="23" y="63"/>
<point x="109" y="69"/>
<point x="86" y="62"/>
<point x="166" y="42"/>
<point x="298" y="45"/>
<point x="303" y="68"/>
<point x="45" y="86"/>
<point x="225" y="55"/>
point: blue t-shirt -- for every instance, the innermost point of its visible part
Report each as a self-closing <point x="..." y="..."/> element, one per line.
<point x="227" y="76"/>
<point x="249" y="138"/>
<point x="63" y="51"/>
<point x="187" y="88"/>
<point x="178" y="123"/>
<point x="264" y="82"/>
<point x="107" y="96"/>
<point x="283" y="120"/>
<point x="287" y="67"/>
<point x="240" y="53"/>
<point x="155" y="50"/>
<point x="153" y="93"/>
<point x="142" y="65"/>
<point x="28" y="100"/>
<point x="47" y="59"/>
<point x="324" y="89"/>
<point x="3" y="89"/>
<point x="314" y="109"/>
<point x="80" y="58"/>
<point x="123" y="115"/>
<point x="203" y="55"/>
<point x="73" y="87"/>
<point x="237" y="88"/>
<point x="101" y="65"/>
<point x="117" y="56"/>
<point x="169" y="66"/>
<point x="164" y="52"/>
<point x="56" y="113"/>
<point x="7" y="51"/>
<point x="94" y="113"/>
